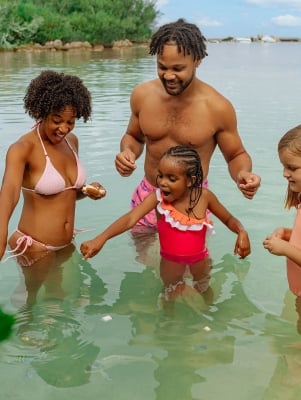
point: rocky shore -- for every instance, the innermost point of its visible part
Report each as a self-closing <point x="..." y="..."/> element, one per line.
<point x="59" y="45"/>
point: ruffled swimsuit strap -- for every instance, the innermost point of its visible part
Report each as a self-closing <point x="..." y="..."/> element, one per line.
<point x="179" y="220"/>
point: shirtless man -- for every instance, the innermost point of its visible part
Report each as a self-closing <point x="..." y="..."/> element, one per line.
<point x="177" y="108"/>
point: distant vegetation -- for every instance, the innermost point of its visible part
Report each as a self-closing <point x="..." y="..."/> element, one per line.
<point x="95" y="21"/>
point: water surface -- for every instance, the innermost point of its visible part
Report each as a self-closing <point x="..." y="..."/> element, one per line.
<point x="106" y="334"/>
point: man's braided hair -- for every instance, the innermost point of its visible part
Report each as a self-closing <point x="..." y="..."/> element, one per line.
<point x="186" y="36"/>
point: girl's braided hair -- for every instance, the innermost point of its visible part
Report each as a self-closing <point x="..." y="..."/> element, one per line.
<point x="192" y="165"/>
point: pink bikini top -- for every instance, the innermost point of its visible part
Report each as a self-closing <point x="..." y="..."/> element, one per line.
<point x="51" y="182"/>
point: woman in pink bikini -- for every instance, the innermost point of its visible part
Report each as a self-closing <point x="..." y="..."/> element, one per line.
<point x="44" y="165"/>
<point x="181" y="205"/>
<point x="287" y="241"/>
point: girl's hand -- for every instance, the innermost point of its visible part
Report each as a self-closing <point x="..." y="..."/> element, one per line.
<point x="279" y="233"/>
<point x="91" y="247"/>
<point x="275" y="245"/>
<point x="242" y="245"/>
<point x="282" y="233"/>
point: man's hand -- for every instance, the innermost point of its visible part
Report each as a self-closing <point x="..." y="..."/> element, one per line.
<point x="125" y="162"/>
<point x="248" y="183"/>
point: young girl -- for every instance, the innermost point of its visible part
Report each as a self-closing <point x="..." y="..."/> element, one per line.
<point x="287" y="241"/>
<point x="181" y="204"/>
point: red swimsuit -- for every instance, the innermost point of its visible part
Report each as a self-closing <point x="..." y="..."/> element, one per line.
<point x="182" y="238"/>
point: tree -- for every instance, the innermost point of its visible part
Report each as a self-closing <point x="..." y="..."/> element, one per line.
<point x="96" y="21"/>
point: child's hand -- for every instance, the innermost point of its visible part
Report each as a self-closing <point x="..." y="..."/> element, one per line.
<point x="90" y="248"/>
<point x="242" y="245"/>
<point x="275" y="245"/>
<point x="279" y="233"/>
<point x="282" y="233"/>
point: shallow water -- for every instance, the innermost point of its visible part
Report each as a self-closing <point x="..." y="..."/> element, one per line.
<point x="106" y="333"/>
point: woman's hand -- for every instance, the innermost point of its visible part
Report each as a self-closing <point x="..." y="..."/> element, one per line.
<point x="94" y="190"/>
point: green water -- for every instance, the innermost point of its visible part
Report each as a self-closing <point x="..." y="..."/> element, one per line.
<point x="99" y="329"/>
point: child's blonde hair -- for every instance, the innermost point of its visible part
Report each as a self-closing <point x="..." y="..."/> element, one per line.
<point x="291" y="141"/>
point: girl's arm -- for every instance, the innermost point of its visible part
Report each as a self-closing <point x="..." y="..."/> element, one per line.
<point x="242" y="245"/>
<point x="91" y="247"/>
<point x="283" y="233"/>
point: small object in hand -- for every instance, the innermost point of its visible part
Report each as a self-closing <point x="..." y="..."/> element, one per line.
<point x="94" y="191"/>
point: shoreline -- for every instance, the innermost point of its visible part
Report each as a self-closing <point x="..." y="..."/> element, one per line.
<point x="59" y="45"/>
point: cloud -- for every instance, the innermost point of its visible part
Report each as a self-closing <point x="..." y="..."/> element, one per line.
<point x="271" y="3"/>
<point x="160" y="3"/>
<point x="209" y="22"/>
<point x="287" y="20"/>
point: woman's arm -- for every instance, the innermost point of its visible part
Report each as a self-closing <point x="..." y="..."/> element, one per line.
<point x="11" y="186"/>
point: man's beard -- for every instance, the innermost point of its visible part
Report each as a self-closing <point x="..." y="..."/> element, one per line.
<point x="181" y="86"/>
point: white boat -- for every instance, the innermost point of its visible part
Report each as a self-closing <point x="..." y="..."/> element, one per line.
<point x="243" y="40"/>
<point x="268" y="39"/>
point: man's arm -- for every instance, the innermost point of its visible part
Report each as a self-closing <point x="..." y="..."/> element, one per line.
<point x="132" y="142"/>
<point x="238" y="160"/>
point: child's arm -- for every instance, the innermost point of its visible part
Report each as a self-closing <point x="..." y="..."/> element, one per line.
<point x="282" y="233"/>
<point x="242" y="245"/>
<point x="91" y="247"/>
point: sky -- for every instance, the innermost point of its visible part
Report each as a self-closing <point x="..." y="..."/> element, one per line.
<point x="236" y="18"/>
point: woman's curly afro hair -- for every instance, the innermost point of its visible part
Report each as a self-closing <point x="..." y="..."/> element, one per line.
<point x="52" y="92"/>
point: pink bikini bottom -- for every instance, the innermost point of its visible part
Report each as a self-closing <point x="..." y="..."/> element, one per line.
<point x="28" y="241"/>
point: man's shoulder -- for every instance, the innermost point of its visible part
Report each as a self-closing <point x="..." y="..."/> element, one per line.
<point x="215" y="98"/>
<point x="151" y="84"/>
<point x="209" y="90"/>
<point x="145" y="90"/>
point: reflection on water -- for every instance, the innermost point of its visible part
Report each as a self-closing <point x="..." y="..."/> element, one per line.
<point x="99" y="329"/>
<point x="49" y="335"/>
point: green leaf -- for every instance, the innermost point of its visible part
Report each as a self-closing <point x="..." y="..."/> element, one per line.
<point x="6" y="325"/>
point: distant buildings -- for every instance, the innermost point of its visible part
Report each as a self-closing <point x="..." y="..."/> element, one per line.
<point x="267" y="39"/>
<point x="242" y="40"/>
<point x="259" y="38"/>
